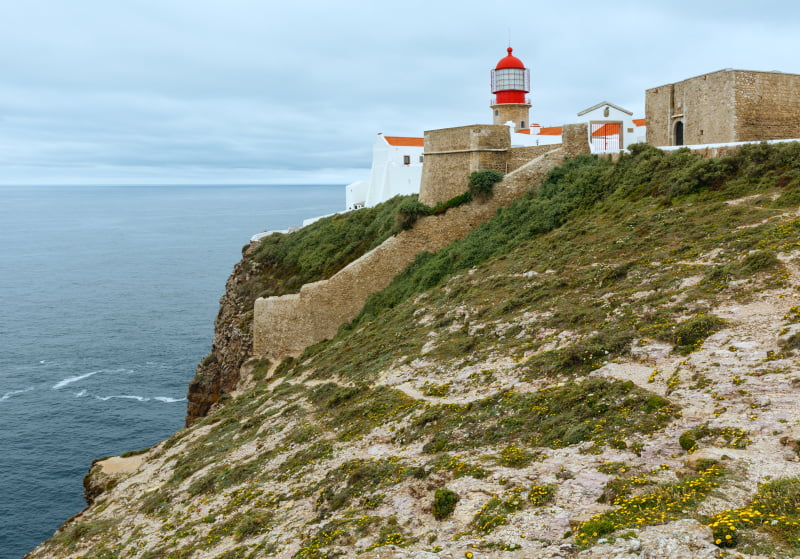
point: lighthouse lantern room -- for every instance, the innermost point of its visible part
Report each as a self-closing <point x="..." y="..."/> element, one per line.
<point x="511" y="82"/>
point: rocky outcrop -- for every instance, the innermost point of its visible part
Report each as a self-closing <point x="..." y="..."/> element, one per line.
<point x="219" y="372"/>
<point x="106" y="473"/>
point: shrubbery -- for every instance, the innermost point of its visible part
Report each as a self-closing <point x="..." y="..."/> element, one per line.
<point x="481" y="183"/>
<point x="444" y="503"/>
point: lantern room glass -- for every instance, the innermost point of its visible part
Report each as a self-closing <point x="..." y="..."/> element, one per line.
<point x="510" y="78"/>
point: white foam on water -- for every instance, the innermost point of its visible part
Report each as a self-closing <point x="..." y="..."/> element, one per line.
<point x="168" y="400"/>
<point x="80" y="394"/>
<point x="11" y="393"/>
<point x="123" y="397"/>
<point x="70" y="380"/>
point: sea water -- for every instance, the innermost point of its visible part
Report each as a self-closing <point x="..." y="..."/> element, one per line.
<point x="107" y="302"/>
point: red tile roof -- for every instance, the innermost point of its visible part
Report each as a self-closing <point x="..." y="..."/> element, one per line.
<point x="404" y="141"/>
<point x="550" y="131"/>
<point x="608" y="129"/>
<point x="640" y="122"/>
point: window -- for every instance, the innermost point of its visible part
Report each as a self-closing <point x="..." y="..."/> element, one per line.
<point x="522" y="124"/>
<point x="510" y="78"/>
<point x="421" y="158"/>
<point x="679" y="133"/>
<point x="406" y="160"/>
<point x="496" y="112"/>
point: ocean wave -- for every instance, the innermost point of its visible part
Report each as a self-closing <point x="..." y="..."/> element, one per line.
<point x="123" y="397"/>
<point x="70" y="380"/>
<point x="11" y="393"/>
<point x="81" y="393"/>
<point x="165" y="399"/>
<point x="168" y="400"/>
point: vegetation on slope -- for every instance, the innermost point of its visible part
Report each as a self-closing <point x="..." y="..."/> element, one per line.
<point x="490" y="381"/>
<point x="319" y="250"/>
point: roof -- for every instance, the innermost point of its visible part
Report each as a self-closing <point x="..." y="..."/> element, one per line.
<point x="608" y="129"/>
<point x="550" y="131"/>
<point x="640" y="122"/>
<point x="592" y="108"/>
<point x="402" y="141"/>
<point x="510" y="61"/>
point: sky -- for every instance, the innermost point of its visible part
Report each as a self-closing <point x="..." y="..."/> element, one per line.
<point x="268" y="92"/>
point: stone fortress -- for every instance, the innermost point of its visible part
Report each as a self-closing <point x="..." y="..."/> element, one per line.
<point x="723" y="107"/>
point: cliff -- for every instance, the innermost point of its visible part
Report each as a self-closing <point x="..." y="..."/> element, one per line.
<point x="606" y="368"/>
<point x="279" y="265"/>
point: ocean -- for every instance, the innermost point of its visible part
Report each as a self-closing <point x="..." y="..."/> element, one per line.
<point x="108" y="298"/>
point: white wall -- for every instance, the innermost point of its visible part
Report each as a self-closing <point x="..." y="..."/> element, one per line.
<point x="389" y="176"/>
<point x="615" y="115"/>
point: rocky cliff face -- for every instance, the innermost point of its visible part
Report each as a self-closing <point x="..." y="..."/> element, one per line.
<point x="219" y="372"/>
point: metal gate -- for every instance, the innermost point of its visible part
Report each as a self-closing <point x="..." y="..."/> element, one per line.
<point x="606" y="136"/>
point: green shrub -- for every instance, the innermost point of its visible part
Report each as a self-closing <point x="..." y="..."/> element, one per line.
<point x="690" y="334"/>
<point x="481" y="183"/>
<point x="758" y="262"/>
<point x="444" y="503"/>
<point x="409" y="212"/>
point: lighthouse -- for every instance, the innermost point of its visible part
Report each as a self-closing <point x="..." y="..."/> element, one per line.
<point x="511" y="82"/>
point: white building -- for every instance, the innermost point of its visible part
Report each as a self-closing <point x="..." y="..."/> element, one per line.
<point x="396" y="169"/>
<point x="612" y="128"/>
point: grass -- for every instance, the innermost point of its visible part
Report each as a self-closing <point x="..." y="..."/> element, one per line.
<point x="592" y="410"/>
<point x="774" y="511"/>
<point x="669" y="502"/>
<point x="358" y="479"/>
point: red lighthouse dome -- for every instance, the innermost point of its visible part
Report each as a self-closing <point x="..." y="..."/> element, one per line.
<point x="509" y="61"/>
<point x="510" y="80"/>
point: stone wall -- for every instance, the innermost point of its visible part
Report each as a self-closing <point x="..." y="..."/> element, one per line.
<point x="288" y="324"/>
<point x="519" y="156"/>
<point x="575" y="139"/>
<point x="451" y="154"/>
<point x="725" y="106"/>
<point x="767" y="106"/>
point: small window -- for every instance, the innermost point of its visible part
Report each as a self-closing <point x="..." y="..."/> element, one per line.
<point x="522" y="124"/>
<point x="406" y="160"/>
<point x="496" y="112"/>
<point x="421" y="157"/>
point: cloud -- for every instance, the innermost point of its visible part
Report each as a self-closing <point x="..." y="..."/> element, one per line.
<point x="187" y="89"/>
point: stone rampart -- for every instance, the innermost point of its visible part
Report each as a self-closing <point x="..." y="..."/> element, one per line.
<point x="451" y="154"/>
<point x="724" y="106"/>
<point x="290" y="323"/>
<point x="519" y="156"/>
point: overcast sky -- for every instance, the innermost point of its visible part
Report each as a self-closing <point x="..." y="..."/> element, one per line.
<point x="262" y="91"/>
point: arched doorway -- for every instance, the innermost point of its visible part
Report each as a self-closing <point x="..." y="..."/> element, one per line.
<point x="679" y="133"/>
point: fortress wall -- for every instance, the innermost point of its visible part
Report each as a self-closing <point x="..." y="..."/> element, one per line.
<point x="725" y="106"/>
<point x="290" y="323"/>
<point x="519" y="156"/>
<point x="767" y="106"/>
<point x="451" y="154"/>
<point x="705" y="105"/>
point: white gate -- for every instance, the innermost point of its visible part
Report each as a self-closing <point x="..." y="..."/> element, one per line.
<point x="606" y="136"/>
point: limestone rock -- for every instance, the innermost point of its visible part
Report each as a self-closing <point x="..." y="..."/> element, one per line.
<point x="682" y="538"/>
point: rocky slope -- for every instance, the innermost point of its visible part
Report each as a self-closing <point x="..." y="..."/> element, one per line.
<point x="606" y="369"/>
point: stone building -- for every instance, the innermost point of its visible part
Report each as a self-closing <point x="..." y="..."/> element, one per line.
<point x="724" y="106"/>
